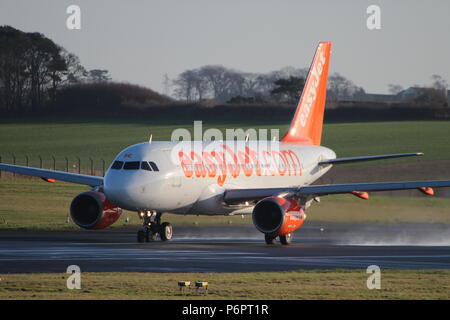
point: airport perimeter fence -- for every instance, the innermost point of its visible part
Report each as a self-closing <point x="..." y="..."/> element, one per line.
<point x="90" y="166"/>
<point x="98" y="167"/>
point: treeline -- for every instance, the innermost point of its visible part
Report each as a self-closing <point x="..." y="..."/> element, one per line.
<point x="33" y="68"/>
<point x="221" y="84"/>
<point x="41" y="78"/>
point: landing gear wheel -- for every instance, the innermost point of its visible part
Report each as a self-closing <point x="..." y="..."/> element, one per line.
<point x="152" y="227"/>
<point x="141" y="237"/>
<point x="146" y="235"/>
<point x="286" y="239"/>
<point x="269" y="239"/>
<point x="152" y="236"/>
<point x="166" y="231"/>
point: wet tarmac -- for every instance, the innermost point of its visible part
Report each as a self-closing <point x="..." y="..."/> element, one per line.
<point x="228" y="249"/>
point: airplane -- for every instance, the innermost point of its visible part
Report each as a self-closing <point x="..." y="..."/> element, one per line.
<point x="274" y="186"/>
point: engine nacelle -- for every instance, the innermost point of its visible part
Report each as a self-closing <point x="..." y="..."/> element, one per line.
<point x="91" y="210"/>
<point x="277" y="216"/>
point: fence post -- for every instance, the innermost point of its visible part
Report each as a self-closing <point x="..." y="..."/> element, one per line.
<point x="103" y="166"/>
<point x="92" y="166"/>
<point x="14" y="163"/>
<point x="79" y="165"/>
<point x="54" y="162"/>
<point x="67" y="164"/>
<point x="27" y="160"/>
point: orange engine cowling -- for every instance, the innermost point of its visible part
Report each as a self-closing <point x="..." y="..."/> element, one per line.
<point x="91" y="210"/>
<point x="278" y="216"/>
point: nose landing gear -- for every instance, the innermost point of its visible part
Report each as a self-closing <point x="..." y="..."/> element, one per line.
<point x="152" y="227"/>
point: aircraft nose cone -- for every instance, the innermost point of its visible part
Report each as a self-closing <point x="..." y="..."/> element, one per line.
<point x="128" y="193"/>
<point x="118" y="190"/>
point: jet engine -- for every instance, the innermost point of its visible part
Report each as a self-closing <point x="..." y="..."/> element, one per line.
<point x="275" y="216"/>
<point x="91" y="210"/>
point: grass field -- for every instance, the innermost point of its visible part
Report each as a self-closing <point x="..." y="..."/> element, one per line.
<point x="38" y="205"/>
<point x="26" y="202"/>
<point x="333" y="284"/>
<point x="92" y="138"/>
<point x="34" y="204"/>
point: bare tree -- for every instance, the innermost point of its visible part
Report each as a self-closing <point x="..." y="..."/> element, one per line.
<point x="394" y="88"/>
<point x="341" y="87"/>
<point x="184" y="86"/>
<point x="217" y="79"/>
<point x="438" y="82"/>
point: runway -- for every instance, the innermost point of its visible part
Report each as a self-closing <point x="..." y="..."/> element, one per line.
<point x="228" y="249"/>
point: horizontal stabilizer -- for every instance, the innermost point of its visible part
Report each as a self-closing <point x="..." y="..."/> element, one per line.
<point x="369" y="158"/>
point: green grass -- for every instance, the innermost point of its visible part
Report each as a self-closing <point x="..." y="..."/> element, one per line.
<point x="31" y="203"/>
<point x="37" y="205"/>
<point x="353" y="139"/>
<point x="332" y="284"/>
<point x="97" y="139"/>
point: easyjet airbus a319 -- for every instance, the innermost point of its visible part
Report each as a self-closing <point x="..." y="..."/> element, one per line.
<point x="274" y="184"/>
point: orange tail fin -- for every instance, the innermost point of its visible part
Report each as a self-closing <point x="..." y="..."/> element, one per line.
<point x="306" y="127"/>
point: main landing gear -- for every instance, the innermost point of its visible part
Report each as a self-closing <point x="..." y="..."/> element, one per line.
<point x="285" y="239"/>
<point x="152" y="227"/>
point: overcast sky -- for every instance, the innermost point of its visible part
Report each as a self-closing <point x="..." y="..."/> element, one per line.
<point x="139" y="41"/>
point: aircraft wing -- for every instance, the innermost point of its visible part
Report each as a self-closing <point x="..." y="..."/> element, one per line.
<point x="55" y="175"/>
<point x="369" y="158"/>
<point x="240" y="195"/>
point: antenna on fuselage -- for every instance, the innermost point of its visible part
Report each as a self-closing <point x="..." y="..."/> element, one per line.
<point x="246" y="137"/>
<point x="150" y="140"/>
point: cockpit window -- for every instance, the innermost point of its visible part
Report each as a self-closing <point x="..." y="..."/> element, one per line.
<point x="117" y="165"/>
<point x="135" y="165"/>
<point x="154" y="166"/>
<point x="132" y="165"/>
<point x="145" y="166"/>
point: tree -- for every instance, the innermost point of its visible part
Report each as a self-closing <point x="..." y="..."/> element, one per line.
<point x="341" y="87"/>
<point x="394" y="88"/>
<point x="431" y="97"/>
<point x="217" y="79"/>
<point x="75" y="72"/>
<point x="32" y="68"/>
<point x="438" y="82"/>
<point x="289" y="89"/>
<point x="223" y="84"/>
<point x="98" y="75"/>
<point x="185" y="86"/>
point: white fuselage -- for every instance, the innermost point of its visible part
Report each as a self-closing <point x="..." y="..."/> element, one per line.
<point x="194" y="182"/>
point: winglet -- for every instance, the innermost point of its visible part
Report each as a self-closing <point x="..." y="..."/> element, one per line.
<point x="306" y="127"/>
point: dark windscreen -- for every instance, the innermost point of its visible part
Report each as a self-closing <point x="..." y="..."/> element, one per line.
<point x="132" y="165"/>
<point x="145" y="166"/>
<point x="154" y="166"/>
<point x="117" y="165"/>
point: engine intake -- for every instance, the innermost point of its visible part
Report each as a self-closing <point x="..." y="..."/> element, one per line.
<point x="277" y="216"/>
<point x="91" y="210"/>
